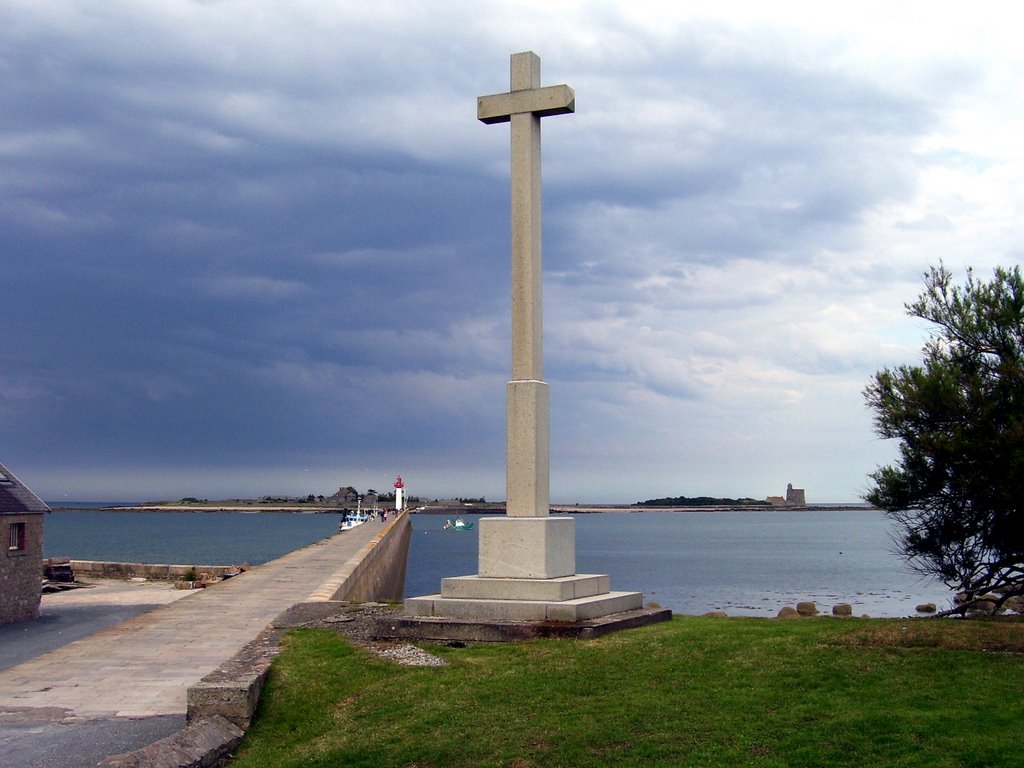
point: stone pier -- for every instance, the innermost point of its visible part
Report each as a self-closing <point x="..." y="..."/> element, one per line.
<point x="121" y="687"/>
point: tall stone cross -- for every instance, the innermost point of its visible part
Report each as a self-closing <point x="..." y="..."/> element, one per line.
<point x="527" y="410"/>
<point x="527" y="557"/>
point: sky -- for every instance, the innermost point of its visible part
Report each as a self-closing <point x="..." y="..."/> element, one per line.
<point x="255" y="248"/>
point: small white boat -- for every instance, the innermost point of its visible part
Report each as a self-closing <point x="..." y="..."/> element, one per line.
<point x="457" y="525"/>
<point x="352" y="521"/>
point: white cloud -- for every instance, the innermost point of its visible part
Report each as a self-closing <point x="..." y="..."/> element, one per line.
<point x="285" y="218"/>
<point x="251" y="287"/>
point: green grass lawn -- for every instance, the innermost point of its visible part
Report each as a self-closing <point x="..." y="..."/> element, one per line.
<point x="690" y="692"/>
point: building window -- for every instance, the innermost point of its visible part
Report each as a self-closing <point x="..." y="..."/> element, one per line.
<point x="18" y="538"/>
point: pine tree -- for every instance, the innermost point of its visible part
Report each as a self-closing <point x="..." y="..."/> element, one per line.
<point x="957" y="490"/>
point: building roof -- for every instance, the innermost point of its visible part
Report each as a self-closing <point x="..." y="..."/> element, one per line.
<point x="16" y="498"/>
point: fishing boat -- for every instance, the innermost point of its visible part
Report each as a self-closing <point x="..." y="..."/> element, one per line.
<point x="350" y="520"/>
<point x="457" y="525"/>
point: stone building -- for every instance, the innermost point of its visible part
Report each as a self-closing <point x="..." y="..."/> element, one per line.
<point x="21" y="567"/>
<point x="795" y="497"/>
<point x="344" y="497"/>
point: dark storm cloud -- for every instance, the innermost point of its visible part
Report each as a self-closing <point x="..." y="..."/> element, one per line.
<point x="255" y="236"/>
<point x="190" y="280"/>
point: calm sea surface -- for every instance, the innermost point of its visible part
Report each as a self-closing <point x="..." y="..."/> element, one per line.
<point x="746" y="563"/>
<point x="188" y="538"/>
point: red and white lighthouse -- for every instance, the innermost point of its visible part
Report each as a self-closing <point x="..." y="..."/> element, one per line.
<point x="399" y="494"/>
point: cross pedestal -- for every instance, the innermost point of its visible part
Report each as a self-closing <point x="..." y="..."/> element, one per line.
<point x="527" y="559"/>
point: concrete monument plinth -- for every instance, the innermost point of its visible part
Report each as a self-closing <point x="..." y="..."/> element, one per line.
<point x="527" y="547"/>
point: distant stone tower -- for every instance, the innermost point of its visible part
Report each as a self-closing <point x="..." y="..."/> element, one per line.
<point x="399" y="494"/>
<point x="795" y="497"/>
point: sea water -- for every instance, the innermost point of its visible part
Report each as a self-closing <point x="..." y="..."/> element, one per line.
<point x="186" y="537"/>
<point x="745" y="563"/>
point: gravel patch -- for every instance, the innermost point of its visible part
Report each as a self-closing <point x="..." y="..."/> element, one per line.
<point x="409" y="656"/>
<point x="355" y="621"/>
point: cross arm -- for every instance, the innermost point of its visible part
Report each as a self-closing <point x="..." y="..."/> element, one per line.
<point x="552" y="100"/>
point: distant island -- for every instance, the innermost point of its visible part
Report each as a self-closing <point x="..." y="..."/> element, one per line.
<point x="701" y="501"/>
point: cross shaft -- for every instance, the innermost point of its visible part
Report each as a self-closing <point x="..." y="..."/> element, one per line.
<point x="527" y="476"/>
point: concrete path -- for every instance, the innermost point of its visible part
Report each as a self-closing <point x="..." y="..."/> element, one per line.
<point x="143" y="667"/>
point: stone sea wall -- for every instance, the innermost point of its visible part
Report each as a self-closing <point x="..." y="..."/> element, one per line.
<point x="100" y="569"/>
<point x="377" y="572"/>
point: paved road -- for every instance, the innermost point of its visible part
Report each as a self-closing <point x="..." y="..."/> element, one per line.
<point x="124" y="686"/>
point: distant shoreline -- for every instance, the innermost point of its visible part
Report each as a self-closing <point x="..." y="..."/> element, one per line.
<point x="851" y="507"/>
<point x="466" y="509"/>
<point x="242" y="509"/>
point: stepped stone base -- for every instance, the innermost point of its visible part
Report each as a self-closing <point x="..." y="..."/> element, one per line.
<point x="527" y="574"/>
<point x="568" y="598"/>
<point x="445" y="629"/>
<point x="579" y="609"/>
<point x="550" y="590"/>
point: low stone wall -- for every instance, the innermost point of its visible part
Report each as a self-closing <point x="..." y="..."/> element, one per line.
<point x="204" y="743"/>
<point x="377" y="572"/>
<point x="232" y="691"/>
<point x="108" y="570"/>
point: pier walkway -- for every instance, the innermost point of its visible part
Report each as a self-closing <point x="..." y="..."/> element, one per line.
<point x="143" y="667"/>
